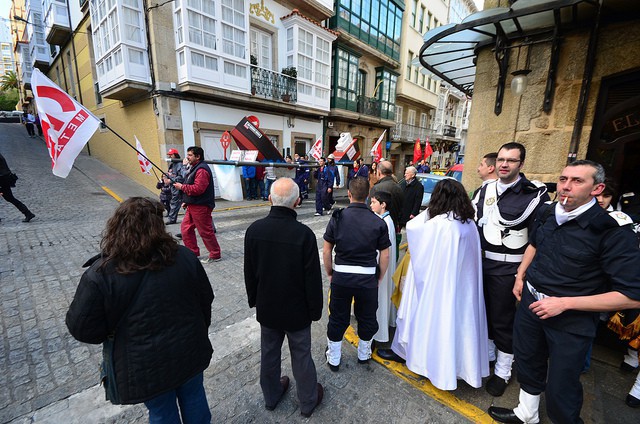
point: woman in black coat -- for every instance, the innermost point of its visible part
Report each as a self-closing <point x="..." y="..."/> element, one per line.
<point x="152" y="298"/>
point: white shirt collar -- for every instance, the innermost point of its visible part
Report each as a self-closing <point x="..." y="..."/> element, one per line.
<point x="563" y="216"/>
<point x="502" y="187"/>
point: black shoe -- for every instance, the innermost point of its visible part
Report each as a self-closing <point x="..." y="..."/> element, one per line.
<point x="390" y="355"/>
<point x="179" y="236"/>
<point x="28" y="218"/>
<point x="504" y="415"/>
<point x="496" y="387"/>
<point x="334" y="368"/>
<point x="170" y="222"/>
<point x="626" y="368"/>
<point x="632" y="401"/>
<point x="284" y="382"/>
<point x="320" y="396"/>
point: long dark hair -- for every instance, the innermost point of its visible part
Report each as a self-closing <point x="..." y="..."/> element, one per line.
<point x="449" y="196"/>
<point x="135" y="237"/>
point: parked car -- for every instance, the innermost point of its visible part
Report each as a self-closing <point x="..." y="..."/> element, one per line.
<point x="456" y="172"/>
<point x="429" y="182"/>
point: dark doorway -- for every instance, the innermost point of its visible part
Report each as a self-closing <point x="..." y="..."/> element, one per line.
<point x="615" y="138"/>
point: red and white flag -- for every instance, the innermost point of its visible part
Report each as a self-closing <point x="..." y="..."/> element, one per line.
<point x="145" y="165"/>
<point x="376" y="150"/>
<point x="66" y="124"/>
<point x="316" y="149"/>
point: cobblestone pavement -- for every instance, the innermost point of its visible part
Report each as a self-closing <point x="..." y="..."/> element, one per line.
<point x="48" y="377"/>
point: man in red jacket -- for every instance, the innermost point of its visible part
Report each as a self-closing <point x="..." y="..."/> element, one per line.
<point x="199" y="196"/>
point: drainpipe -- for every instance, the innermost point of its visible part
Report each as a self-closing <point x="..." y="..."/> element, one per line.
<point x="586" y="86"/>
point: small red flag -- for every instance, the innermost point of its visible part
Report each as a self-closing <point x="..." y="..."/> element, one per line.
<point x="417" y="152"/>
<point x="428" y="151"/>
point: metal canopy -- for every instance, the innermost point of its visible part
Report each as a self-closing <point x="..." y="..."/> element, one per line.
<point x="449" y="51"/>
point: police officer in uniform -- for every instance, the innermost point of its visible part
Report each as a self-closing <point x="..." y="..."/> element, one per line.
<point x="505" y="214"/>
<point x="301" y="177"/>
<point x="324" y="187"/>
<point x="358" y="235"/>
<point x="582" y="260"/>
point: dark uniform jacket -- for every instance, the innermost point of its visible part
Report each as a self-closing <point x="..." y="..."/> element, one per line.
<point x="163" y="341"/>
<point x="357" y="234"/>
<point x="588" y="255"/>
<point x="282" y="271"/>
<point x="512" y="203"/>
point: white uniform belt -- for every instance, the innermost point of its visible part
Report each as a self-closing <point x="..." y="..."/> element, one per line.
<point x="502" y="257"/>
<point x="355" y="269"/>
<point x="535" y="293"/>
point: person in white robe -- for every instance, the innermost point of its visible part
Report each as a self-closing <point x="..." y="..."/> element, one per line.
<point x="441" y="323"/>
<point x="386" y="313"/>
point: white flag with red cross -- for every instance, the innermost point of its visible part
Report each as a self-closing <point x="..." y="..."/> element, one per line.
<point x="316" y="149"/>
<point x="376" y="150"/>
<point x="66" y="124"/>
<point x="145" y="165"/>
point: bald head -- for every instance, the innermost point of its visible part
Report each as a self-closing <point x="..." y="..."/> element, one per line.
<point x="385" y="168"/>
<point x="284" y="192"/>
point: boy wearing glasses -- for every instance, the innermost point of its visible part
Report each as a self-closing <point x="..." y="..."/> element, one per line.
<point x="505" y="213"/>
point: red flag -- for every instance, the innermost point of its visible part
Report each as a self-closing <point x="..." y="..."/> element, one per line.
<point x="316" y="149"/>
<point x="417" y="152"/>
<point x="376" y="150"/>
<point x="428" y="151"/>
<point x="66" y="124"/>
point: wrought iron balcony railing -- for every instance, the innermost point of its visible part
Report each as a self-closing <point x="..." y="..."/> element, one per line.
<point x="273" y="85"/>
<point x="406" y="132"/>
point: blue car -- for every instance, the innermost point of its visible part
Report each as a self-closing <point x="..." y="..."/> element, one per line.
<point x="429" y="182"/>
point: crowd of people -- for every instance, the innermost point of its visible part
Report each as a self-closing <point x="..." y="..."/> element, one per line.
<point x="512" y="278"/>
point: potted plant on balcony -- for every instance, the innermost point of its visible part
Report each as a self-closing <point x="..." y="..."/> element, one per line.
<point x="254" y="69"/>
<point x="290" y="82"/>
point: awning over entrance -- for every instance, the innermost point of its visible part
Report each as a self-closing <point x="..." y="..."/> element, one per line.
<point x="450" y="51"/>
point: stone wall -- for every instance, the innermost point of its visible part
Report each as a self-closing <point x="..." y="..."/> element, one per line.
<point x="547" y="137"/>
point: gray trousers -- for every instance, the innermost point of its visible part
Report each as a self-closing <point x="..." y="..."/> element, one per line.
<point x="304" y="370"/>
<point x="176" y="204"/>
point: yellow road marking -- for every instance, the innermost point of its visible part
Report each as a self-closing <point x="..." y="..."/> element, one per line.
<point x="112" y="194"/>
<point x="423" y="384"/>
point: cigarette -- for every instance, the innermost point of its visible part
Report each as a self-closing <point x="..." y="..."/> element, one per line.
<point x="565" y="201"/>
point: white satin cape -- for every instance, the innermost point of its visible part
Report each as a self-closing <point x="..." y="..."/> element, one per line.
<point x="441" y="324"/>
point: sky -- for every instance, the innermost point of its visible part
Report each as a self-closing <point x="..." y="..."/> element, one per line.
<point x="5" y="6"/>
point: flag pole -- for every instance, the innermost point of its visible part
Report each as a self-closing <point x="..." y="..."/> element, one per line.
<point x="134" y="148"/>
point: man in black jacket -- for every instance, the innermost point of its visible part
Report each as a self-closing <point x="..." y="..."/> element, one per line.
<point x="6" y="183"/>
<point x="283" y="280"/>
<point x="413" y="191"/>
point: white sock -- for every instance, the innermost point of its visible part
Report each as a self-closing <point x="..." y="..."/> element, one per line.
<point x="504" y="362"/>
<point x="631" y="357"/>
<point x="527" y="409"/>
<point x="635" y="390"/>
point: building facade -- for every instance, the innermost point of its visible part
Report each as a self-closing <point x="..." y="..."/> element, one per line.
<point x="181" y="73"/>
<point x="365" y="64"/>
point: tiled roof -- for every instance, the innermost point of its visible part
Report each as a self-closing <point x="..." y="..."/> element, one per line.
<point x="297" y="12"/>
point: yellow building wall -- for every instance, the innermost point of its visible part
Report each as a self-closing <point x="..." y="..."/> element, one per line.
<point x="546" y="137"/>
<point x="136" y="119"/>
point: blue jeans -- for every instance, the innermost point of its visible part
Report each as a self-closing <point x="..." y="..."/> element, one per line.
<point x="192" y="399"/>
